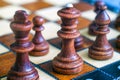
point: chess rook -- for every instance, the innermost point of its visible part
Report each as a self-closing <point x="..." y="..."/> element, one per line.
<point x="41" y="45"/>
<point x="68" y="61"/>
<point x="101" y="49"/>
<point x="93" y="25"/>
<point x="22" y="69"/>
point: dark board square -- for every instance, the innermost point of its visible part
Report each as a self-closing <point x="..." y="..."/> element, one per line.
<point x="3" y="3"/>
<point x="47" y="67"/>
<point x="112" y="25"/>
<point x="37" y="5"/>
<point x="80" y="6"/>
<point x="57" y="42"/>
<point x="113" y="69"/>
<point x="6" y="62"/>
<point x="9" y="39"/>
<point x="95" y="75"/>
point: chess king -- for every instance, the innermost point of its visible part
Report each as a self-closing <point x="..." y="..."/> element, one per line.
<point x="22" y="69"/>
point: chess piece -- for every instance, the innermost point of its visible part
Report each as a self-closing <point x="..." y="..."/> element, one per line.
<point x="93" y="25"/>
<point x="78" y="43"/>
<point x="22" y="69"/>
<point x="101" y="49"/>
<point x="118" y="42"/>
<point x="41" y="45"/>
<point x="68" y="61"/>
<point x="117" y="22"/>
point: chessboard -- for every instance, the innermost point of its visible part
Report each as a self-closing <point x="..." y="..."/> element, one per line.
<point x="92" y="69"/>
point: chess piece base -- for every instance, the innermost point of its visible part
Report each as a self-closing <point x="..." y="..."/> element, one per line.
<point x="100" y="54"/>
<point x="40" y="49"/>
<point x="67" y="65"/>
<point x="15" y="75"/>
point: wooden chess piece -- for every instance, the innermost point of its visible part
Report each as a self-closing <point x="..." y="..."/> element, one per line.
<point x="68" y="61"/>
<point x="79" y="43"/>
<point x="22" y="69"/>
<point x="117" y="22"/>
<point x="93" y="25"/>
<point x="41" y="45"/>
<point x="101" y="49"/>
<point x="118" y="42"/>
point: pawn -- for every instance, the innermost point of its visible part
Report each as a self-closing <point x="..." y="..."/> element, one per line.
<point x="93" y="26"/>
<point x="117" y="22"/>
<point x="101" y="49"/>
<point x="118" y="42"/>
<point x="41" y="45"/>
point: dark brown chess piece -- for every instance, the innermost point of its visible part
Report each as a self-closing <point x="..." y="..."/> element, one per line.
<point x="118" y="42"/>
<point x="117" y="22"/>
<point x="41" y="45"/>
<point x="22" y="69"/>
<point x="93" y="25"/>
<point x="68" y="61"/>
<point x="79" y="43"/>
<point x="101" y="49"/>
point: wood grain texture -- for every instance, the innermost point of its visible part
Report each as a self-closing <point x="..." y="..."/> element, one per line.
<point x="68" y="61"/>
<point x="22" y="68"/>
<point x="6" y="61"/>
<point x="57" y="42"/>
<point x="101" y="49"/>
<point x="48" y="68"/>
<point x="80" y="7"/>
<point x="36" y="5"/>
<point x="41" y="45"/>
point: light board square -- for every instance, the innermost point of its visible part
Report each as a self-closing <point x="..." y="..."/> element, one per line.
<point x="3" y="49"/>
<point x="61" y="2"/>
<point x="50" y="30"/>
<point x="98" y="63"/>
<point x="52" y="53"/>
<point x="111" y="35"/>
<point x="49" y="13"/>
<point x="5" y="27"/>
<point x="19" y="2"/>
<point x="91" y="15"/>
<point x="8" y="12"/>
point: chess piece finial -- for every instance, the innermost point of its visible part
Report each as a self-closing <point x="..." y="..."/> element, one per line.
<point x="69" y="5"/>
<point x="41" y="45"/>
<point x="21" y="16"/>
<point x="22" y="69"/>
<point x="68" y="61"/>
<point x="97" y="5"/>
<point x="93" y="25"/>
<point x="101" y="49"/>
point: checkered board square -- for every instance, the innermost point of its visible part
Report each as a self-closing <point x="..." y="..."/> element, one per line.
<point x="92" y="69"/>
